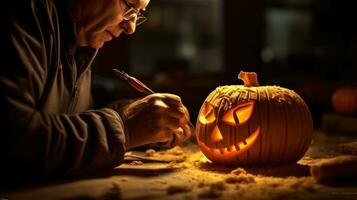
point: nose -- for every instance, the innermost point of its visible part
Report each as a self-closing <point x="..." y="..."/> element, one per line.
<point x="129" y="26"/>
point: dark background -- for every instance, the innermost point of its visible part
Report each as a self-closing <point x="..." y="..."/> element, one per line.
<point x="189" y="47"/>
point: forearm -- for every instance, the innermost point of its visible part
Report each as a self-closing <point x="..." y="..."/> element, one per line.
<point x="67" y="144"/>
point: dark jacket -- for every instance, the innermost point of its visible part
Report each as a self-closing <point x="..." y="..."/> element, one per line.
<point x="47" y="125"/>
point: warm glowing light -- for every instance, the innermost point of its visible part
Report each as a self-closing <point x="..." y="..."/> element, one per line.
<point x="216" y="151"/>
<point x="239" y="114"/>
<point x="244" y="113"/>
<point x="207" y="115"/>
<point x="216" y="135"/>
<point x="241" y="145"/>
<point x="223" y="150"/>
<point x="233" y="150"/>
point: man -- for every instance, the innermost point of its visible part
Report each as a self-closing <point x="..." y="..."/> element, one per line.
<point x="47" y="125"/>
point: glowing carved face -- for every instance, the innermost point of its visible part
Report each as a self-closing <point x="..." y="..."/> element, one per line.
<point x="220" y="138"/>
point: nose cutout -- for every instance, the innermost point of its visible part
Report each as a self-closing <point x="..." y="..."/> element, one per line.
<point x="216" y="135"/>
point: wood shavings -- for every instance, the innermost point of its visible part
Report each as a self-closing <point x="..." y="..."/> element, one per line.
<point x="239" y="171"/>
<point x="136" y="162"/>
<point x="175" y="151"/>
<point x="150" y="153"/>
<point x="240" y="175"/>
<point x="175" y="154"/>
<point x="199" y="178"/>
<point x="182" y="165"/>
<point x="242" y="183"/>
<point x="241" y="178"/>
<point x="178" y="188"/>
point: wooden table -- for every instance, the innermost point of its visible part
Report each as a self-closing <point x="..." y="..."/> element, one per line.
<point x="197" y="178"/>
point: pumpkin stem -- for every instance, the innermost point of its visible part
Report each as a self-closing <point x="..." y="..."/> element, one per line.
<point x="250" y="79"/>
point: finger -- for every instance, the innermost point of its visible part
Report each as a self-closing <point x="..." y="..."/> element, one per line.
<point x="186" y="112"/>
<point x="170" y="123"/>
<point x="174" y="110"/>
<point x="187" y="115"/>
<point x="181" y="110"/>
<point x="177" y="113"/>
<point x="161" y="108"/>
<point x="187" y="132"/>
<point x="166" y="135"/>
<point x="170" y="99"/>
<point x="178" y="137"/>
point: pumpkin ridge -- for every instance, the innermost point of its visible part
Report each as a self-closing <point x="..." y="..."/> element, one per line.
<point x="286" y="132"/>
<point x="298" y="119"/>
<point x="243" y="155"/>
<point x="259" y="122"/>
<point x="268" y="123"/>
<point x="308" y="139"/>
<point x="231" y="129"/>
<point x="248" y="127"/>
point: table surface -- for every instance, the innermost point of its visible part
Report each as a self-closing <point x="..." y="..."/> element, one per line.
<point x="197" y="178"/>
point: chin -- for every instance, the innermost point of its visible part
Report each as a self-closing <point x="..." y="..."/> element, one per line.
<point x="98" y="42"/>
<point x="97" y="45"/>
<point x="95" y="42"/>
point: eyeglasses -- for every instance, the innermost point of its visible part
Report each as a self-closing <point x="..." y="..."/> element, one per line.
<point x="132" y="12"/>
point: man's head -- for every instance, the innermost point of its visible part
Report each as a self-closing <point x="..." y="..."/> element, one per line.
<point x="98" y="21"/>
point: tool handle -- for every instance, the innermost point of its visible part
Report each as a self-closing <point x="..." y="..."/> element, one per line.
<point x="138" y="85"/>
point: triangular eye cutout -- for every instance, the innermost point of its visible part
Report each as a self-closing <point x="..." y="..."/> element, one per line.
<point x="239" y="114"/>
<point x="207" y="115"/>
<point x="216" y="135"/>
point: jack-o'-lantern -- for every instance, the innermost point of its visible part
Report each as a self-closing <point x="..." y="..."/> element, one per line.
<point x="253" y="125"/>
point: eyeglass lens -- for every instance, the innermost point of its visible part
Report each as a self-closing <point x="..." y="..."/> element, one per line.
<point x="131" y="13"/>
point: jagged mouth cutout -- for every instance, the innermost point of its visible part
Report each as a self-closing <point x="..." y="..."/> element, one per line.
<point x="237" y="115"/>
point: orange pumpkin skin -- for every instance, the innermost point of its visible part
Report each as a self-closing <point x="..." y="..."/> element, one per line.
<point x="344" y="100"/>
<point x="278" y="131"/>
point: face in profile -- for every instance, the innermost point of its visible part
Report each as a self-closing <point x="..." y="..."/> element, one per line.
<point x="99" y="21"/>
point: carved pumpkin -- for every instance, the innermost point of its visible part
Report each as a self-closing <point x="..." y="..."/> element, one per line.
<point x="344" y="100"/>
<point x="253" y="125"/>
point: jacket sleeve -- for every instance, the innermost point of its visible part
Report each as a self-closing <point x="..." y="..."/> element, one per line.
<point x="34" y="142"/>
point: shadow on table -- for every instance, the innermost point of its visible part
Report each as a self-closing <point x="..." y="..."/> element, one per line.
<point x="297" y="170"/>
<point x="127" y="170"/>
<point x="343" y="183"/>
